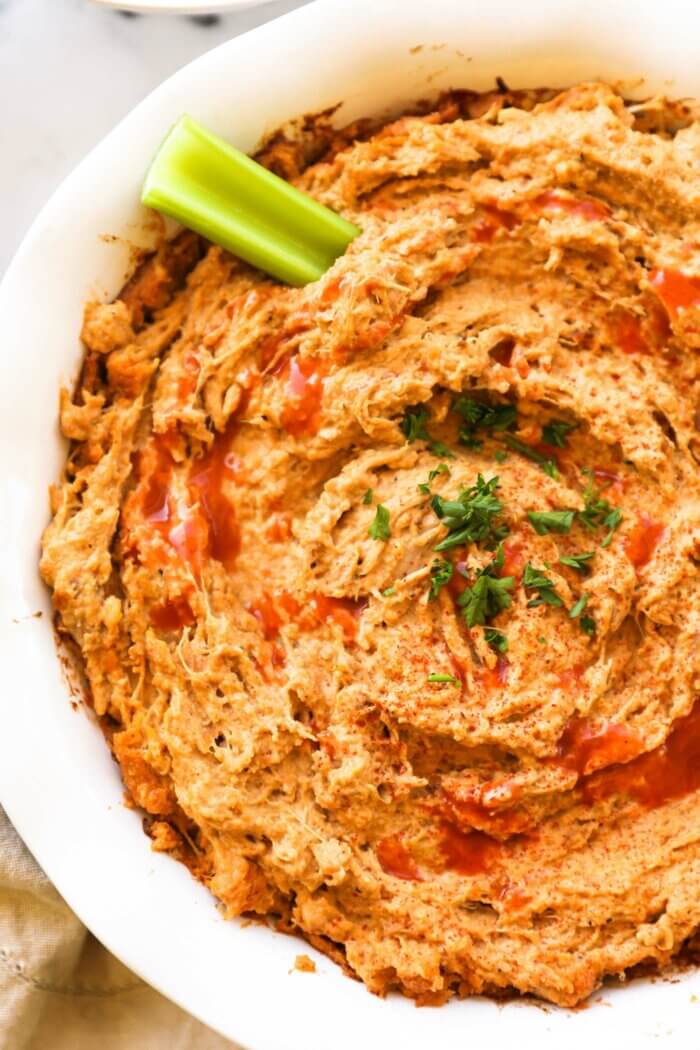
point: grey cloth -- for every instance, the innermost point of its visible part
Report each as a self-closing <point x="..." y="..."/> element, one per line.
<point x="60" y="989"/>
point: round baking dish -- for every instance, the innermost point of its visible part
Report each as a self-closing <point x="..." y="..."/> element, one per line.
<point x="57" y="780"/>
<point x="181" y="7"/>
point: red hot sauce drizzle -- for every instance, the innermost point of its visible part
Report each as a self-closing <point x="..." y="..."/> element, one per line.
<point x="668" y="772"/>
<point x="627" y="333"/>
<point x="491" y="220"/>
<point x="302" y="411"/>
<point x="643" y="540"/>
<point x="172" y="615"/>
<point x="396" y="860"/>
<point x="468" y="852"/>
<point x="586" y="208"/>
<point x="586" y="746"/>
<point x="207" y="478"/>
<point x="676" y="291"/>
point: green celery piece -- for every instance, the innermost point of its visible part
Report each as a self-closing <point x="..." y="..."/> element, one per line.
<point x="211" y="187"/>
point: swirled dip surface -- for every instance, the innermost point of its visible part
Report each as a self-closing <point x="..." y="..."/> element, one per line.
<point x="387" y="588"/>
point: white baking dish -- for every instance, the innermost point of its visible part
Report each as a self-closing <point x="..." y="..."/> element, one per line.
<point x="181" y="7"/>
<point x="57" y="780"/>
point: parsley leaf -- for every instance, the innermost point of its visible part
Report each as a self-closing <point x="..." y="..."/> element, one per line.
<point x="586" y="623"/>
<point x="544" y="521"/>
<point x="481" y="415"/>
<point x="368" y="497"/>
<point x="413" y="427"/>
<point x="556" y="432"/>
<point x="389" y="591"/>
<point x="441" y="468"/>
<point x="488" y="595"/>
<point x="424" y="488"/>
<point x="379" y="529"/>
<point x="535" y="580"/>
<point x="547" y="465"/>
<point x="578" y="561"/>
<point x="470" y="518"/>
<point x="496" y="639"/>
<point x="448" y="678"/>
<point x="598" y="513"/>
<point x="579" y="606"/>
<point x="440" y="575"/>
<point x="439" y="448"/>
<point x="413" y="424"/>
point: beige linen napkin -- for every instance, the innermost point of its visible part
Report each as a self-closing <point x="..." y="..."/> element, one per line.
<point x="60" y="989"/>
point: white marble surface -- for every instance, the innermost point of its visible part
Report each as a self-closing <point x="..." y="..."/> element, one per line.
<point x="69" y="70"/>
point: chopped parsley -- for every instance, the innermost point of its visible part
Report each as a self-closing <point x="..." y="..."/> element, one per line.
<point x="488" y="595"/>
<point x="535" y="580"/>
<point x="579" y="606"/>
<point x="439" y="448"/>
<point x="379" y="529"/>
<point x="586" y="623"/>
<point x="389" y="591"/>
<point x="556" y="432"/>
<point x="578" y="561"/>
<point x="547" y="465"/>
<point x="481" y="415"/>
<point x="424" y="486"/>
<point x="500" y="456"/>
<point x="368" y="497"/>
<point x="544" y="521"/>
<point x="413" y="424"/>
<point x="598" y="513"/>
<point x="447" y="678"/>
<point x="440" y="575"/>
<point x="496" y="639"/>
<point x="413" y="427"/>
<point x="441" y="468"/>
<point x="471" y="517"/>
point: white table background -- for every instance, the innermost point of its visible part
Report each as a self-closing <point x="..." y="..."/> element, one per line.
<point x="69" y="70"/>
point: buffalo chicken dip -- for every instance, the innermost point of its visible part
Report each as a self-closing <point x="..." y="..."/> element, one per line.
<point x="387" y="588"/>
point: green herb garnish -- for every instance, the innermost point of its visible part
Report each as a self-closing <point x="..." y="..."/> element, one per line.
<point x="578" y="561"/>
<point x="556" y="432"/>
<point x="544" y="521"/>
<point x="471" y="517"/>
<point x="389" y="591"/>
<point x="535" y="580"/>
<point x="413" y="427"/>
<point x="368" y="497"/>
<point x="379" y="529"/>
<point x="496" y="639"/>
<point x="441" y="468"/>
<point x="579" y="606"/>
<point x="424" y="488"/>
<point x="478" y="415"/>
<point x="488" y="595"/>
<point x="447" y="678"/>
<point x="597" y="512"/>
<point x="500" y="456"/>
<point x="547" y="465"/>
<point x="413" y="424"/>
<point x="586" y="623"/>
<point x="441" y="572"/>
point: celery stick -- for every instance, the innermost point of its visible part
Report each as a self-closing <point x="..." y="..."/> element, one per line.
<point x="213" y="188"/>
